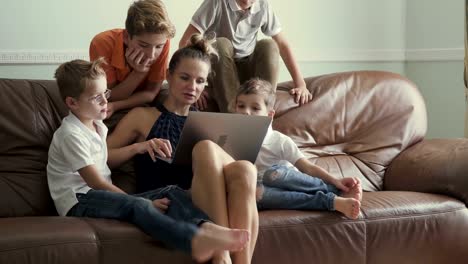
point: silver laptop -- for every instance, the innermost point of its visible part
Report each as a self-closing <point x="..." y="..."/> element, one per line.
<point x="239" y="135"/>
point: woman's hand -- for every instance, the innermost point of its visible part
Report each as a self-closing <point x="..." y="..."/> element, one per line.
<point x="156" y="147"/>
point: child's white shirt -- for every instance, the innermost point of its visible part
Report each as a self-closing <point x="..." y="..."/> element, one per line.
<point x="75" y="146"/>
<point x="277" y="149"/>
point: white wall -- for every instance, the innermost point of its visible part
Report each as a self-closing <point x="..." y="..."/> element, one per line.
<point x="435" y="44"/>
<point x="327" y="36"/>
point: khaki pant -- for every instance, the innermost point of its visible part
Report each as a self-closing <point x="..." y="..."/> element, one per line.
<point x="229" y="73"/>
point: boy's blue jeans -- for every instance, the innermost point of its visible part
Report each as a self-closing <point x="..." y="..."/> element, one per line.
<point x="286" y="188"/>
<point x="175" y="228"/>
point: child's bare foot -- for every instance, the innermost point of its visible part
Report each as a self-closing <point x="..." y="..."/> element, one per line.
<point x="354" y="192"/>
<point x="350" y="207"/>
<point x="211" y="239"/>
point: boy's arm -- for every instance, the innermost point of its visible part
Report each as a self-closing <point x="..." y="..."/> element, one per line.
<point x="307" y="167"/>
<point x="300" y="92"/>
<point x="136" y="99"/>
<point x="99" y="47"/>
<point x="126" y="88"/>
<point x="91" y="176"/>
<point x="187" y="34"/>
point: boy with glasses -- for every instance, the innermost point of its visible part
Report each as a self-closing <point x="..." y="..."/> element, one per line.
<point x="80" y="182"/>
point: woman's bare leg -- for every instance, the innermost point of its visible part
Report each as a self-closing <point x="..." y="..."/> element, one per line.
<point x="241" y="181"/>
<point x="225" y="190"/>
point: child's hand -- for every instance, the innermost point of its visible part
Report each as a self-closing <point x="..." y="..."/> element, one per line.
<point x="156" y="147"/>
<point x="137" y="60"/>
<point x="301" y="95"/>
<point x="202" y="102"/>
<point x="346" y="184"/>
<point x="161" y="204"/>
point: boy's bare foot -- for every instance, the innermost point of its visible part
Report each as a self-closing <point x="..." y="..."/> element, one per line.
<point x="211" y="239"/>
<point x="354" y="192"/>
<point x="350" y="207"/>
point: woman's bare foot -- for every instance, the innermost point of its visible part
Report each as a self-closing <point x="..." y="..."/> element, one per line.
<point x="350" y="207"/>
<point x="221" y="257"/>
<point x="211" y="239"/>
<point x="354" y="192"/>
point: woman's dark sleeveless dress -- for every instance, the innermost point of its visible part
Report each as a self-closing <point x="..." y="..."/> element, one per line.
<point x="152" y="175"/>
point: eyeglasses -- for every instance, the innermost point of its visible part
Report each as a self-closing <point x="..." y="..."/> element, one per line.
<point x="99" y="99"/>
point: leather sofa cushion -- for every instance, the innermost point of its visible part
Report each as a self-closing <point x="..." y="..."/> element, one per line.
<point x="356" y="123"/>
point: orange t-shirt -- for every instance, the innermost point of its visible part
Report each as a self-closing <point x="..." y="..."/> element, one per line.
<point x="110" y="45"/>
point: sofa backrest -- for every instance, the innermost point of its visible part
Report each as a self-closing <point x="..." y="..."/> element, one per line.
<point x="30" y="112"/>
<point x="356" y="124"/>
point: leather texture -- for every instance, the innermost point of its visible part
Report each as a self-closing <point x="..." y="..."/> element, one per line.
<point x="367" y="124"/>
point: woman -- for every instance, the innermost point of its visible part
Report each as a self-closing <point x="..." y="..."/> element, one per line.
<point x="220" y="186"/>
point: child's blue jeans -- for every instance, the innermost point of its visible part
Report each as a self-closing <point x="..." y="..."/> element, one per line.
<point x="175" y="228"/>
<point x="286" y="188"/>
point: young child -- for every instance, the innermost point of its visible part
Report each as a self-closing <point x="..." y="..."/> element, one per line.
<point x="80" y="180"/>
<point x="137" y="56"/>
<point x="236" y="24"/>
<point x="281" y="186"/>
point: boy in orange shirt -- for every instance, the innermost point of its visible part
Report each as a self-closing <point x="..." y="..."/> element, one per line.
<point x="136" y="56"/>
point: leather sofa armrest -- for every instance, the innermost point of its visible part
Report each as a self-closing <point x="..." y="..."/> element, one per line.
<point x="434" y="166"/>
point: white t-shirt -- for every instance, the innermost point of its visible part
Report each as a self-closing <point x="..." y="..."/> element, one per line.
<point x="277" y="149"/>
<point x="74" y="146"/>
<point x="226" y="19"/>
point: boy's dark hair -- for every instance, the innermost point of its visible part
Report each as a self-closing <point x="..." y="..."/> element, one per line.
<point x="73" y="76"/>
<point x="260" y="87"/>
<point x="148" y="16"/>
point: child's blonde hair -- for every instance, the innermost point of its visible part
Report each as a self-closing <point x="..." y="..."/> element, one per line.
<point x="148" y="16"/>
<point x="73" y="76"/>
<point x="260" y="87"/>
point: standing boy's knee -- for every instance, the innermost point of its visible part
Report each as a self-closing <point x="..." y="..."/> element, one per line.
<point x="224" y="47"/>
<point x="266" y="47"/>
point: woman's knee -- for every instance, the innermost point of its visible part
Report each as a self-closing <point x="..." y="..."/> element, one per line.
<point x="203" y="148"/>
<point x="242" y="175"/>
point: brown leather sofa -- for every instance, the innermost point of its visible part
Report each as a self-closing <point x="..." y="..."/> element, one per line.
<point x="365" y="124"/>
